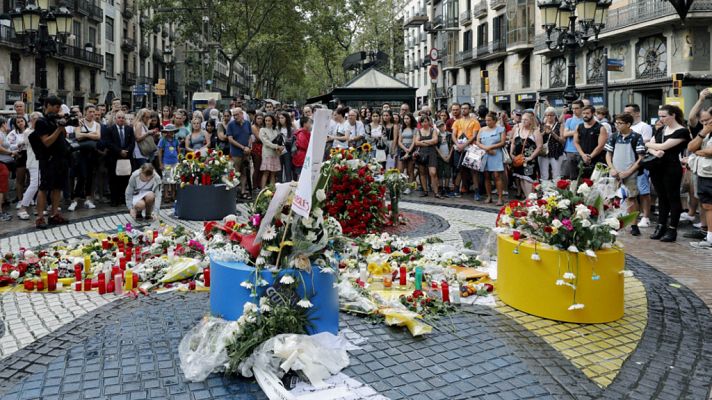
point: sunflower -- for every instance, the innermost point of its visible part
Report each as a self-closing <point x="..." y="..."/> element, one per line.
<point x="220" y="153"/>
<point x="333" y="151"/>
<point x="366" y="148"/>
<point x="190" y="156"/>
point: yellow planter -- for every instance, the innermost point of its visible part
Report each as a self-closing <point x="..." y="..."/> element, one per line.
<point x="530" y="285"/>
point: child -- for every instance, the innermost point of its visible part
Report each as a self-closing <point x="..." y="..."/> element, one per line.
<point x="444" y="151"/>
<point x="168" y="159"/>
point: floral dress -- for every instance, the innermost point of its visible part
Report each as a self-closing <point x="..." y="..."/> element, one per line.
<point x="527" y="147"/>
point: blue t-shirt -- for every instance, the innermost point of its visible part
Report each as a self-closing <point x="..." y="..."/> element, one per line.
<point x="571" y="125"/>
<point x="241" y="134"/>
<point x="170" y="151"/>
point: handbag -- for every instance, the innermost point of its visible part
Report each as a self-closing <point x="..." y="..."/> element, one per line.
<point x="650" y="162"/>
<point x="507" y="158"/>
<point x="545" y="147"/>
<point x="380" y="155"/>
<point x="474" y="158"/>
<point x="147" y="146"/>
<point x="123" y="167"/>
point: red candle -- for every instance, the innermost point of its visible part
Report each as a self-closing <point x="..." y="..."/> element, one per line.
<point x="102" y="286"/>
<point x="434" y="285"/>
<point x="78" y="272"/>
<point x="114" y="271"/>
<point x="403" y="276"/>
<point x="110" y="286"/>
<point x="87" y="285"/>
<point x="105" y="244"/>
<point x="445" y="291"/>
<point x="78" y="286"/>
<point x="51" y="281"/>
<point x="138" y="254"/>
<point x="122" y="263"/>
<point x="29" y="284"/>
<point x="101" y="276"/>
<point x="155" y="235"/>
<point x="191" y="285"/>
<point x="135" y="281"/>
<point x="40" y="285"/>
<point x="206" y="277"/>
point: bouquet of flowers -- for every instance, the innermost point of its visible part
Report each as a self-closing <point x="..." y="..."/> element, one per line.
<point x="356" y="198"/>
<point x="396" y="182"/>
<point x="574" y="218"/>
<point x="206" y="168"/>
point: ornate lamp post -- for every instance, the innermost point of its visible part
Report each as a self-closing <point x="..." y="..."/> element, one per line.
<point x="560" y="17"/>
<point x="42" y="30"/>
<point x="168" y="60"/>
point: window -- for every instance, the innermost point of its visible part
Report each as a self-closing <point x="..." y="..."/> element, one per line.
<point x="500" y="76"/>
<point x="77" y="32"/>
<point x="109" y="65"/>
<point x="499" y="28"/>
<point x="60" y="76"/>
<point x="77" y="79"/>
<point x="15" y="68"/>
<point x="109" y="22"/>
<point x="40" y="67"/>
<point x="482" y="34"/>
<point x="92" y="36"/>
<point x="526" y="73"/>
<point x="92" y="81"/>
<point x="467" y="40"/>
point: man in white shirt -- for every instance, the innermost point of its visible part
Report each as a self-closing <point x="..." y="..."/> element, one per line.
<point x="646" y="131"/>
<point x="356" y="129"/>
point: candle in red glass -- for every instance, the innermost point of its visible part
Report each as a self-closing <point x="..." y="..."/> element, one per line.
<point x="40" y="285"/>
<point x="78" y="286"/>
<point x="78" y="272"/>
<point x="206" y="277"/>
<point x="51" y="281"/>
<point x="29" y="284"/>
<point x="87" y="285"/>
<point x="434" y="285"/>
<point x="135" y="281"/>
<point x="114" y="271"/>
<point x="155" y="235"/>
<point x="102" y="285"/>
<point x="122" y="263"/>
<point x="105" y="244"/>
<point x="138" y="254"/>
<point x="101" y="276"/>
<point x="110" y="286"/>
<point x="445" y="291"/>
<point x="191" y="285"/>
<point x="119" y="284"/>
<point x="403" y="276"/>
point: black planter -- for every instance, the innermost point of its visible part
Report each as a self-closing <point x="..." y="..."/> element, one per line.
<point x="205" y="203"/>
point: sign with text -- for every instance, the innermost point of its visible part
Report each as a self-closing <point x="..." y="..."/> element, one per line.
<point x="615" y="64"/>
<point x="281" y="192"/>
<point x="676" y="101"/>
<point x="302" y="202"/>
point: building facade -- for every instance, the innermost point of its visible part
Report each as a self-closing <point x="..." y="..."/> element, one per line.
<point x="113" y="51"/>
<point x="502" y="41"/>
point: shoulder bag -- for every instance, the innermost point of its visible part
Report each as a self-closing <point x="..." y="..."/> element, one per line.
<point x="147" y="146"/>
<point x="649" y="161"/>
<point x="123" y="167"/>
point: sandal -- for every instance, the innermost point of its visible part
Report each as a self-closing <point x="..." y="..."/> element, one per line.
<point x="500" y="203"/>
<point x="438" y="196"/>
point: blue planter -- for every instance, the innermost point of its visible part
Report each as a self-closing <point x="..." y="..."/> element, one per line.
<point x="227" y="297"/>
<point x="205" y="203"/>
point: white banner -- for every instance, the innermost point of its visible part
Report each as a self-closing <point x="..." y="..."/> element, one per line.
<point x="312" y="163"/>
<point x="281" y="192"/>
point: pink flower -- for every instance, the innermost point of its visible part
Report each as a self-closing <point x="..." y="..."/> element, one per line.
<point x="255" y="220"/>
<point x="567" y="224"/>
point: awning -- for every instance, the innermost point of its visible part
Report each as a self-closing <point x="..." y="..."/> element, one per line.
<point x="502" y="99"/>
<point x="423" y="91"/>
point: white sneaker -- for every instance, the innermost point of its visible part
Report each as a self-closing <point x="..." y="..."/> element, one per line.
<point x="687" y="217"/>
<point x="18" y="206"/>
<point x="701" y="245"/>
<point x="644" y="222"/>
<point x="406" y="191"/>
<point x="698" y="225"/>
<point x="89" y="204"/>
<point x="72" y="206"/>
<point x="23" y="215"/>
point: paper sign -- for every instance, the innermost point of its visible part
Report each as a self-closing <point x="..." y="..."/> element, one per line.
<point x="281" y="192"/>
<point x="302" y="202"/>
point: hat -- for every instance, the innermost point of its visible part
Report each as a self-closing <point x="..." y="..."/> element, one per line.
<point x="517" y="111"/>
<point x="170" y="128"/>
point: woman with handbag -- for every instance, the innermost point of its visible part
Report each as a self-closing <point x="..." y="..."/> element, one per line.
<point x="391" y="131"/>
<point x="16" y="139"/>
<point x="284" y="126"/>
<point x="524" y="149"/>
<point x="272" y="147"/>
<point x="552" y="151"/>
<point x="145" y="149"/>
<point x="87" y="135"/>
<point x="666" y="170"/>
<point x="407" y="148"/>
<point x="375" y="137"/>
<point x="492" y="139"/>
<point x="426" y="139"/>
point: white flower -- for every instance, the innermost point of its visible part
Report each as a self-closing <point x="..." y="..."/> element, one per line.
<point x="310" y="237"/>
<point x="318" y="213"/>
<point x="556" y="224"/>
<point x="262" y="282"/>
<point x="532" y="196"/>
<point x="569" y="275"/>
<point x="505" y="220"/>
<point x="286" y="280"/>
<point x="269" y="233"/>
<point x="15" y="274"/>
<point x="560" y="282"/>
<point x="585" y="223"/>
<point x="499" y="230"/>
<point x="264" y="305"/>
<point x="626" y="273"/>
<point x="320" y="195"/>
<point x="612" y="222"/>
<point x="573" y="249"/>
<point x="536" y="257"/>
<point x="307" y="222"/>
<point x="583" y="189"/>
<point x="564" y="204"/>
<point x="230" y="218"/>
<point x="247" y="285"/>
<point x="607" y="245"/>
<point x="576" y="307"/>
<point x="249" y="307"/>
<point x="304" y="303"/>
<point x="582" y="211"/>
<point x="260" y="261"/>
<point x="590" y="253"/>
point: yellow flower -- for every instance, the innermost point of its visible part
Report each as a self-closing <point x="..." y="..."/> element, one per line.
<point x="287" y="243"/>
<point x="190" y="156"/>
<point x="333" y="152"/>
<point x="366" y="148"/>
<point x="273" y="248"/>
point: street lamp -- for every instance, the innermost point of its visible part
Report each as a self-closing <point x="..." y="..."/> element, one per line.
<point x="561" y="16"/>
<point x="41" y="29"/>
<point x="168" y="61"/>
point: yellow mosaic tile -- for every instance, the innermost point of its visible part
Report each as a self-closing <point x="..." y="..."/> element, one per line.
<point x="597" y="349"/>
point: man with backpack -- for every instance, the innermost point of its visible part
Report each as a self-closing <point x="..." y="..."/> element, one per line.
<point x="624" y="150"/>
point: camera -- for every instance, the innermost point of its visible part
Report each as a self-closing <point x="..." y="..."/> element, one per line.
<point x="72" y="119"/>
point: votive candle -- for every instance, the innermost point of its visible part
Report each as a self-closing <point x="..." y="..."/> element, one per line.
<point x="129" y="279"/>
<point x="445" y="291"/>
<point x="51" y="281"/>
<point x="118" y="284"/>
<point x="403" y="275"/>
<point x="29" y="284"/>
<point x="87" y="285"/>
<point x="87" y="264"/>
<point x="78" y="272"/>
<point x="418" y="278"/>
<point x="206" y="277"/>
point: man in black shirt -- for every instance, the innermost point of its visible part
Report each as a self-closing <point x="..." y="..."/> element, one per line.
<point x="49" y="144"/>
<point x="590" y="139"/>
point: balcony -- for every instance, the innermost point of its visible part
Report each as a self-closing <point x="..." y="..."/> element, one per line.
<point x="128" y="45"/>
<point x="520" y="39"/>
<point x="83" y="7"/>
<point x="464" y="57"/>
<point x="437" y="21"/>
<point x="8" y="37"/>
<point x="497" y="4"/>
<point x="144" y="80"/>
<point x="96" y="13"/>
<point x="80" y="56"/>
<point x="644" y="11"/>
<point x="416" y="20"/>
<point x="452" y="23"/>
<point x="128" y="79"/>
<point x="128" y="9"/>
<point x="481" y="9"/>
<point x="466" y="17"/>
<point x="493" y="49"/>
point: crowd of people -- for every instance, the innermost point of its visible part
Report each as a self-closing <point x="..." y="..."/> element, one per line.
<point x="124" y="158"/>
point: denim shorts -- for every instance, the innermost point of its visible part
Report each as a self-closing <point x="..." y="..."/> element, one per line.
<point x="644" y="183"/>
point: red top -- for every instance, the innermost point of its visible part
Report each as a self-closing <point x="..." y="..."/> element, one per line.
<point x="302" y="144"/>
